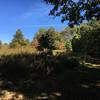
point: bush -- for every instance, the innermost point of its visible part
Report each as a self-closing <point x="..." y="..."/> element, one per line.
<point x="24" y="65"/>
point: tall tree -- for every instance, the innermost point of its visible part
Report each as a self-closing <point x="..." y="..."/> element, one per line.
<point x="75" y="11"/>
<point x="35" y="42"/>
<point x="50" y="40"/>
<point x="0" y="43"/>
<point x="19" y="40"/>
<point x="40" y="32"/>
<point x="87" y="41"/>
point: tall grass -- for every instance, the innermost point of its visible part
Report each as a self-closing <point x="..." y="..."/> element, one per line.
<point x="25" y="71"/>
<point x="6" y="50"/>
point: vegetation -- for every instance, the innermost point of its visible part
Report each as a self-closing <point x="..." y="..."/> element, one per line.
<point x="6" y="50"/>
<point x="75" y="12"/>
<point x="36" y="72"/>
<point x="0" y="44"/>
<point x="19" y="40"/>
<point x="50" y="40"/>
<point x="87" y="40"/>
<point x="43" y="75"/>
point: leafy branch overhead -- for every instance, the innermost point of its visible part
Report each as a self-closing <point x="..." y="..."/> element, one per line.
<point x="75" y="11"/>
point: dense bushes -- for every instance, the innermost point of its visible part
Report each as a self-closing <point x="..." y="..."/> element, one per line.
<point x="24" y="65"/>
<point x="49" y="39"/>
<point x="87" y="39"/>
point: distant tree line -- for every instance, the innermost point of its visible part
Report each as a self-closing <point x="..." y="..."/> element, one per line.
<point x="83" y="39"/>
<point x="49" y="39"/>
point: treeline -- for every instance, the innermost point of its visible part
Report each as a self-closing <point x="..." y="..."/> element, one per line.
<point x="83" y="39"/>
<point x="43" y="72"/>
<point x="44" y="39"/>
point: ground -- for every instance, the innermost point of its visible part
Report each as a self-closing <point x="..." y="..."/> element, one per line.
<point x="83" y="85"/>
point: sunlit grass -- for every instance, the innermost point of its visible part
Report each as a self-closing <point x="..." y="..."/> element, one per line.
<point x="90" y="65"/>
<point x="5" y="50"/>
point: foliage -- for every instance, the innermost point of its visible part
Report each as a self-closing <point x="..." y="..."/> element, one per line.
<point x="75" y="11"/>
<point x="20" y="66"/>
<point x="87" y="40"/>
<point x="19" y="40"/>
<point x="68" y="46"/>
<point x="35" y="42"/>
<point x="67" y="34"/>
<point x="37" y="73"/>
<point x="0" y="44"/>
<point x="40" y="32"/>
<point x="93" y="43"/>
<point x="50" y="40"/>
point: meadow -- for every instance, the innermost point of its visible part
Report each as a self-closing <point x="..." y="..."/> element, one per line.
<point x="28" y="75"/>
<point x="6" y="50"/>
<point x="52" y="67"/>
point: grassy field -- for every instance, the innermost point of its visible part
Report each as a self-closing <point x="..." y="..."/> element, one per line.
<point x="24" y="75"/>
<point x="5" y="50"/>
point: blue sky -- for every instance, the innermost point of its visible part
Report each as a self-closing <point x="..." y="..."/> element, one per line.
<point x="27" y="15"/>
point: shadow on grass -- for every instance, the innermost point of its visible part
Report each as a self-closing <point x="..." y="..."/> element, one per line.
<point x="45" y="77"/>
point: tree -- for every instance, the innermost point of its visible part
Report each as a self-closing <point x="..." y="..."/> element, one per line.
<point x="19" y="40"/>
<point x="0" y="44"/>
<point x="68" y="46"/>
<point x="87" y="40"/>
<point x="35" y="42"/>
<point x="40" y="32"/>
<point x="50" y="40"/>
<point x="75" y="11"/>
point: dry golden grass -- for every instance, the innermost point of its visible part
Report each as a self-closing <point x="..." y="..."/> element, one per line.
<point x="90" y="65"/>
<point x="7" y="95"/>
<point x="5" y="50"/>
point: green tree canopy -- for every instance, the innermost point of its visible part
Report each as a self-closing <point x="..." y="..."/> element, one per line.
<point x="51" y="39"/>
<point x="40" y="32"/>
<point x="87" y="41"/>
<point x="19" y="40"/>
<point x="0" y="43"/>
<point x="75" y="11"/>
